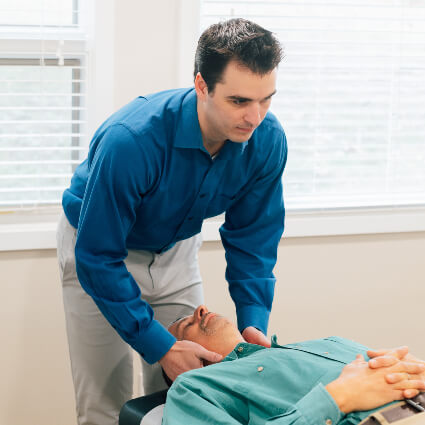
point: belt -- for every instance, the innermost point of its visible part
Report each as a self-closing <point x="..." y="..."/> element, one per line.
<point x="396" y="412"/>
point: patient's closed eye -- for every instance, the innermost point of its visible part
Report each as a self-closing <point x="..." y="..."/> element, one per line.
<point x="189" y="322"/>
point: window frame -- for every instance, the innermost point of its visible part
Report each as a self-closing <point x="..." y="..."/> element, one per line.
<point x="22" y="229"/>
<point x="316" y="221"/>
<point x="37" y="230"/>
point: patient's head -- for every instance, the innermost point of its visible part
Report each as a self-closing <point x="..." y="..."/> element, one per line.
<point x="212" y="331"/>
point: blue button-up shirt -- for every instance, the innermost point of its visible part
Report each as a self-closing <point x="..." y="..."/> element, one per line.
<point x="149" y="182"/>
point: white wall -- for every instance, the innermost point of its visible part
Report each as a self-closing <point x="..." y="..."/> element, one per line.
<point x="367" y="287"/>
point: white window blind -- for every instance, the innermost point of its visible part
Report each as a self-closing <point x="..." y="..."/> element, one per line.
<point x="43" y="69"/>
<point x="351" y="97"/>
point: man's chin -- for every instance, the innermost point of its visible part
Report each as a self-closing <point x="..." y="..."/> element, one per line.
<point x="240" y="139"/>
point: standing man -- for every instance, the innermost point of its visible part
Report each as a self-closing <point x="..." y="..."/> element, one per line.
<point x="129" y="238"/>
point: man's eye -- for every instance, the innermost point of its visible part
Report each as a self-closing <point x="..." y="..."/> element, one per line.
<point x="239" y="101"/>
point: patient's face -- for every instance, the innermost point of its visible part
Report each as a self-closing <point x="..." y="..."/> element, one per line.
<point x="212" y="331"/>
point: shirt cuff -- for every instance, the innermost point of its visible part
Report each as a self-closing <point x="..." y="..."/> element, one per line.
<point x="156" y="342"/>
<point x="318" y="407"/>
<point x="253" y="315"/>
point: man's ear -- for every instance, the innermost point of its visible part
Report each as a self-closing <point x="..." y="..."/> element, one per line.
<point x="201" y="87"/>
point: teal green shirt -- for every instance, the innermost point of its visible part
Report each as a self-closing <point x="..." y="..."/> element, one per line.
<point x="282" y="385"/>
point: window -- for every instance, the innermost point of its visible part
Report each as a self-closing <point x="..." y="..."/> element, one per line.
<point x="43" y="73"/>
<point x="351" y="96"/>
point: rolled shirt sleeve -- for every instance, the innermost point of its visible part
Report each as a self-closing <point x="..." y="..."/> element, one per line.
<point x="120" y="173"/>
<point x="251" y="234"/>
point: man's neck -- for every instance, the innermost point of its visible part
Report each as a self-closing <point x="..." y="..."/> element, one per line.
<point x="211" y="143"/>
<point x="213" y="148"/>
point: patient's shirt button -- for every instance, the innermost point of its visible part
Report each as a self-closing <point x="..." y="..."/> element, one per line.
<point x="328" y="422"/>
<point x="260" y="368"/>
<point x="240" y="349"/>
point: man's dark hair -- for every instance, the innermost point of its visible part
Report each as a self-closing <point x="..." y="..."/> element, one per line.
<point x="240" y="40"/>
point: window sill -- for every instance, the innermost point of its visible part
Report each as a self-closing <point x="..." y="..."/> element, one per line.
<point x="31" y="232"/>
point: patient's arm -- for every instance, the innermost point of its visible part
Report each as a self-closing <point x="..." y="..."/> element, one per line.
<point x="198" y="398"/>
<point x="361" y="388"/>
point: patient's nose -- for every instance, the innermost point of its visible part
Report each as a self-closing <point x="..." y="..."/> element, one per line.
<point x="200" y="312"/>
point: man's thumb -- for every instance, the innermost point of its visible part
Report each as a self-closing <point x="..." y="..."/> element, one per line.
<point x="210" y="356"/>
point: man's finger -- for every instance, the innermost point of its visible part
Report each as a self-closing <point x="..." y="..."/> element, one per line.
<point x="254" y="336"/>
<point x="264" y="341"/>
<point x="209" y="356"/>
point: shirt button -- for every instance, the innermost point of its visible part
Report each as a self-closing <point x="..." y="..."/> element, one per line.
<point x="240" y="349"/>
<point x="328" y="422"/>
<point x="260" y="368"/>
<point x="190" y="218"/>
<point x="202" y="195"/>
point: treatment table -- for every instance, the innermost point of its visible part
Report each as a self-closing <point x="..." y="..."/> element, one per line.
<point x="145" y="410"/>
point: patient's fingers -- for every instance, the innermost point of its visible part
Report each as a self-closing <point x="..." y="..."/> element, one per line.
<point x="413" y="384"/>
<point x="382" y="361"/>
<point x="393" y="378"/>
<point x="408" y="367"/>
<point x="410" y="393"/>
<point x="359" y="358"/>
<point x="398" y="352"/>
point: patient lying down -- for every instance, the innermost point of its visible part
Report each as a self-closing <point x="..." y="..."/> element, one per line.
<point x="326" y="381"/>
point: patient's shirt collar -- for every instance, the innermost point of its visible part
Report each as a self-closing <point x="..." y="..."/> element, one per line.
<point x="244" y="349"/>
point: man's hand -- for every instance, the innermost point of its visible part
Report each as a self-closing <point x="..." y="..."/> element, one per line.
<point x="186" y="355"/>
<point x="361" y="388"/>
<point x="254" y="336"/>
<point x="389" y="357"/>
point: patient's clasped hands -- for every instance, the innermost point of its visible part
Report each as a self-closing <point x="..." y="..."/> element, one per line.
<point x="389" y="375"/>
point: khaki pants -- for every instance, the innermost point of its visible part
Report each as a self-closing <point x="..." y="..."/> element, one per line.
<point x="101" y="362"/>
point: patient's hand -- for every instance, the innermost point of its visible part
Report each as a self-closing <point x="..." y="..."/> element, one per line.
<point x="186" y="355"/>
<point x="361" y="388"/>
<point x="389" y="357"/>
<point x="254" y="336"/>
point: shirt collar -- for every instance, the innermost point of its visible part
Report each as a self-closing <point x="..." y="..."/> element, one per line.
<point x="243" y="349"/>
<point x="188" y="134"/>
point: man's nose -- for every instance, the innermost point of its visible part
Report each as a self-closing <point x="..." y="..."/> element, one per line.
<point x="253" y="114"/>
<point x="201" y="311"/>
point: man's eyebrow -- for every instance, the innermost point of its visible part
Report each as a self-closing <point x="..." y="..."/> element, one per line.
<point x="247" y="99"/>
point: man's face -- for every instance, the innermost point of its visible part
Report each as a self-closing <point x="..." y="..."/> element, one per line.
<point x="237" y="105"/>
<point x="212" y="331"/>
